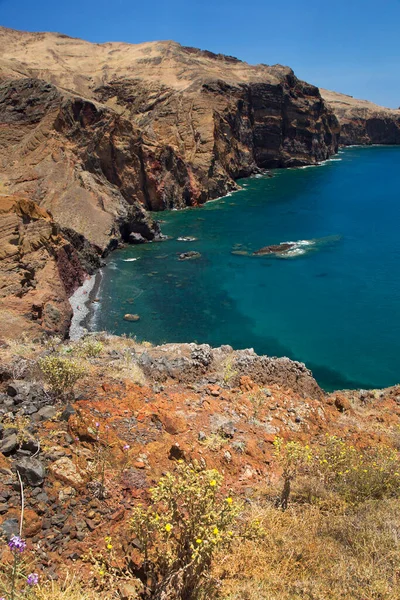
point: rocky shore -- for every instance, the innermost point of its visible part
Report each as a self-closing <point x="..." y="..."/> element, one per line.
<point x="95" y="153"/>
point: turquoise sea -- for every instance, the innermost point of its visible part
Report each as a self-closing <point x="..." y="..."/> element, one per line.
<point x="334" y="303"/>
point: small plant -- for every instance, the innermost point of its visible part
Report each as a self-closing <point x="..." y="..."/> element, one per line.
<point x="90" y="348"/>
<point x="292" y="458"/>
<point x="61" y="373"/>
<point x="358" y="475"/>
<point x="20" y="584"/>
<point x="186" y="522"/>
<point x="258" y="400"/>
<point x="229" y="371"/>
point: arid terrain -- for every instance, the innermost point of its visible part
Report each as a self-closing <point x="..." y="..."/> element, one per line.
<point x="88" y="457"/>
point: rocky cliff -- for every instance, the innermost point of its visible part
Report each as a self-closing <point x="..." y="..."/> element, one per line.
<point x="363" y="122"/>
<point x="98" y="131"/>
<point x="99" y="134"/>
<point x="39" y="269"/>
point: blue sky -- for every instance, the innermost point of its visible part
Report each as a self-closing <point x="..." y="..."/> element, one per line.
<point x="350" y="46"/>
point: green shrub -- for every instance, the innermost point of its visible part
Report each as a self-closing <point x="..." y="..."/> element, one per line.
<point x="60" y="373"/>
<point x="186" y="522"/>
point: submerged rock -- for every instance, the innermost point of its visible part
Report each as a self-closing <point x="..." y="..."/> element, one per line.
<point x="189" y="255"/>
<point x="275" y="249"/>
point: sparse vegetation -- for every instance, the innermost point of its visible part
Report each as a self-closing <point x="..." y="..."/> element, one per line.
<point x="187" y="521"/>
<point x="61" y="374"/>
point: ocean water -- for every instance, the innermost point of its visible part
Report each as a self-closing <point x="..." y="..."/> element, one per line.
<point x="333" y="302"/>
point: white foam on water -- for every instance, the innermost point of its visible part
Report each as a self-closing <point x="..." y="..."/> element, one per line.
<point x="130" y="259"/>
<point x="79" y="304"/>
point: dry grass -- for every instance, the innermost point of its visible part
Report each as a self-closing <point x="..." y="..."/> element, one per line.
<point x="69" y="589"/>
<point x="310" y="554"/>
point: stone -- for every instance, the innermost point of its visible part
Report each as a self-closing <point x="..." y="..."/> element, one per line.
<point x="65" y="470"/>
<point x="47" y="412"/>
<point x="31" y="470"/>
<point x="189" y="255"/>
<point x="9" y="527"/>
<point x="9" y="444"/>
<point x="136" y="238"/>
<point x="67" y="412"/>
<point x="31" y="445"/>
<point x="130" y="317"/>
<point x="342" y="403"/>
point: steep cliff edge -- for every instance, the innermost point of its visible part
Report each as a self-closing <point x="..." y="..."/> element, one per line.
<point x="96" y="135"/>
<point x="39" y="269"/>
<point x="156" y="124"/>
<point x="363" y="122"/>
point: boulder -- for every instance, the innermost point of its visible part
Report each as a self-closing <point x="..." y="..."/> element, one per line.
<point x="31" y="470"/>
<point x="9" y="444"/>
<point x="65" y="470"/>
<point x="189" y="255"/>
<point x="130" y="317"/>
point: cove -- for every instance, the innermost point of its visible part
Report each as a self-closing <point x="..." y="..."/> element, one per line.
<point x="333" y="303"/>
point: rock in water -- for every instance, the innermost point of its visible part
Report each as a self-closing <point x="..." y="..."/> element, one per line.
<point x="275" y="249"/>
<point x="189" y="255"/>
<point x="129" y="317"/>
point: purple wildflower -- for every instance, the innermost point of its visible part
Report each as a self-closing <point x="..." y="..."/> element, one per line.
<point x="17" y="544"/>
<point x="32" y="579"/>
<point x="126" y="447"/>
<point x="97" y="425"/>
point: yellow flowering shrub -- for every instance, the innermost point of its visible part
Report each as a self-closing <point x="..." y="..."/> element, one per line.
<point x="292" y="457"/>
<point x="89" y="348"/>
<point x="187" y="521"/>
<point x="60" y="373"/>
<point x="356" y="474"/>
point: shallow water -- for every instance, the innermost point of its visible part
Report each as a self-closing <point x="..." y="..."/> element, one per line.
<point x="332" y="303"/>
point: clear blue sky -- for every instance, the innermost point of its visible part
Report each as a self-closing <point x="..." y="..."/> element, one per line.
<point x="350" y="46"/>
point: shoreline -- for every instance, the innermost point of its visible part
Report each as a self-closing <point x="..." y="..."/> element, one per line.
<point x="82" y="300"/>
<point x="82" y="304"/>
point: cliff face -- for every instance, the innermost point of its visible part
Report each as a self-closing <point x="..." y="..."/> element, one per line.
<point x="363" y="122"/>
<point x="98" y="134"/>
<point x="154" y="125"/>
<point x="39" y="269"/>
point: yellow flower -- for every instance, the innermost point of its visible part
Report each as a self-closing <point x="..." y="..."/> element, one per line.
<point x="198" y="541"/>
<point x="168" y="527"/>
<point x="109" y="546"/>
<point x="216" y="531"/>
<point x="101" y="573"/>
<point x="229" y="500"/>
<point x="213" y="483"/>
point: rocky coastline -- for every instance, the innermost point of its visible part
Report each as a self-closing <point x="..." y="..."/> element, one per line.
<point x="100" y="154"/>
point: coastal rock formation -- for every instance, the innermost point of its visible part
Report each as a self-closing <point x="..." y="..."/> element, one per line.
<point x="363" y="122"/>
<point x="97" y="135"/>
<point x="39" y="269"/>
<point x="155" y="125"/>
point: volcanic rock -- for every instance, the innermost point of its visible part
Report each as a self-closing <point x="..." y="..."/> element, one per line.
<point x="31" y="470"/>
<point x="363" y="122"/>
